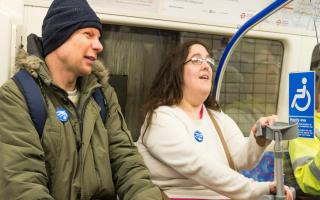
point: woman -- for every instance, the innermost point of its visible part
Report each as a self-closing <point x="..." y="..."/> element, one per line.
<point x="180" y="144"/>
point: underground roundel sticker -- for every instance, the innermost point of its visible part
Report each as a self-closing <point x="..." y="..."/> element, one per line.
<point x="198" y="136"/>
<point x="62" y="115"/>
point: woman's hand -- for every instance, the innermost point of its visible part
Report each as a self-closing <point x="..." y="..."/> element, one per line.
<point x="287" y="191"/>
<point x="264" y="121"/>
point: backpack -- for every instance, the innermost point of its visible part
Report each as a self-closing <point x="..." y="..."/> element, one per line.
<point x="36" y="105"/>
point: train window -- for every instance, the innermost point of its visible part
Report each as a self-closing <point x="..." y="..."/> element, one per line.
<point x="250" y="85"/>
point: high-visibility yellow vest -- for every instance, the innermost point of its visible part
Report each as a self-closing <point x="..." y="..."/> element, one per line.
<point x="305" y="159"/>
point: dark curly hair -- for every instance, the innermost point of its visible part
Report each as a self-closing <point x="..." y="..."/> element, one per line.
<point x="166" y="88"/>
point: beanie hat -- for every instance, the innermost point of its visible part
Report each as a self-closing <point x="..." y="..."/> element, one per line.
<point x="63" y="18"/>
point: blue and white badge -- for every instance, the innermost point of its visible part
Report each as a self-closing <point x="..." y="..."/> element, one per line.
<point x="198" y="136"/>
<point x="62" y="115"/>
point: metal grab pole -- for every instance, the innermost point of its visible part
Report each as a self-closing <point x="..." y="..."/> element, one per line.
<point x="278" y="132"/>
<point x="278" y="154"/>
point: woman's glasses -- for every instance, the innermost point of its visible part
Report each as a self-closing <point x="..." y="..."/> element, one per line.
<point x="198" y="61"/>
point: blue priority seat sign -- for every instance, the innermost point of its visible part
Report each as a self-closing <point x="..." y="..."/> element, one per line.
<point x="301" y="102"/>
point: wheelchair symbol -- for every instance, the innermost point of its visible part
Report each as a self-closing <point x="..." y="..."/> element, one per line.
<point x="301" y="94"/>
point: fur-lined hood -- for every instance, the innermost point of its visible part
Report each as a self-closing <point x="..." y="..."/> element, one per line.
<point x="37" y="68"/>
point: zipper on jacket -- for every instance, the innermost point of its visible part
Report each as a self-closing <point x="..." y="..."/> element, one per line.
<point x="81" y="133"/>
<point x="81" y="115"/>
<point x="78" y="143"/>
<point x="83" y="109"/>
<point x="67" y="101"/>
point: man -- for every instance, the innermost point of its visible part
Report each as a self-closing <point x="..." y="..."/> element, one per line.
<point x="77" y="156"/>
<point x="305" y="157"/>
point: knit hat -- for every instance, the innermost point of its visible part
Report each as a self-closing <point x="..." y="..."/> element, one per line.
<point x="63" y="18"/>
